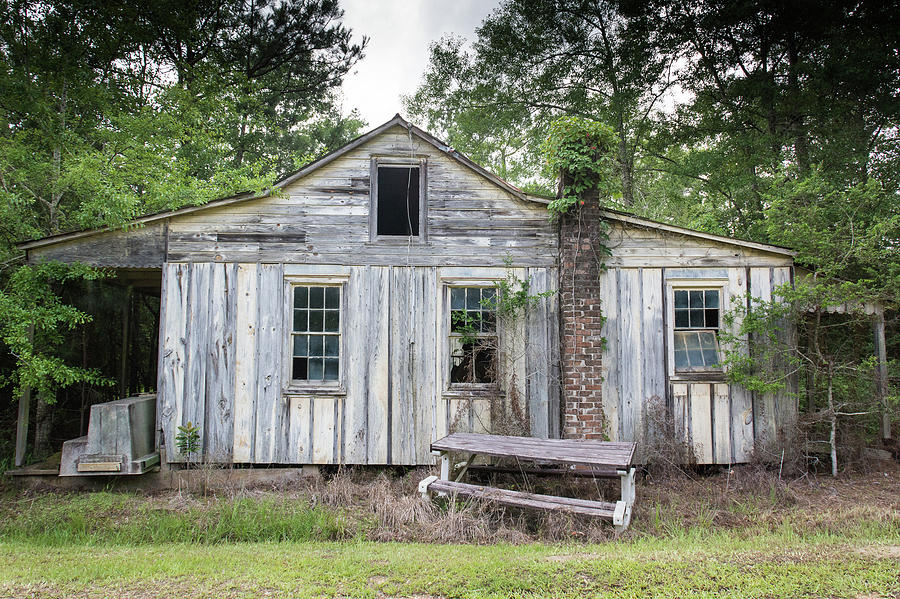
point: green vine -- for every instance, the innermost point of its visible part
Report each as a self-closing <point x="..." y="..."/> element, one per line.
<point x="581" y="152"/>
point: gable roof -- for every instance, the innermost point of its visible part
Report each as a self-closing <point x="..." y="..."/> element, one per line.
<point x="397" y="120"/>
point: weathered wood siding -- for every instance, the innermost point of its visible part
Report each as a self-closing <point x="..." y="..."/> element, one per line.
<point x="225" y="365"/>
<point x="323" y="218"/>
<point x="227" y="317"/>
<point x="722" y="423"/>
<point x="140" y="247"/>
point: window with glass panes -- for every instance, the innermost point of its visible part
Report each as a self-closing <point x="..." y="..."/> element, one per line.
<point x="473" y="335"/>
<point x="697" y="321"/>
<point x="316" y="333"/>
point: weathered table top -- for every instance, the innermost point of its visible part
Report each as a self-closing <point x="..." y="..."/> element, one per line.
<point x="561" y="451"/>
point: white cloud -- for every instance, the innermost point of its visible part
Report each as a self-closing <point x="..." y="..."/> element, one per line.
<point x="399" y="33"/>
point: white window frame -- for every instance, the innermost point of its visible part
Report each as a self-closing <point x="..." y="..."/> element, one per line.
<point x="301" y="387"/>
<point x="420" y="162"/>
<point x="720" y="285"/>
<point x="450" y="388"/>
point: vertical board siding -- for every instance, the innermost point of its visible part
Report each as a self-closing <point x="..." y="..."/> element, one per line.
<point x="174" y="354"/>
<point x="270" y="409"/>
<point x="378" y="364"/>
<point x="357" y="355"/>
<point x="197" y="335"/>
<point x="786" y="408"/>
<point x="631" y="379"/>
<point x="220" y="363"/>
<point x="653" y="373"/>
<point x="701" y="422"/>
<point x="245" y="363"/>
<point x="610" y="386"/>
<point x="741" y="400"/>
<point x="763" y="403"/>
<point x="538" y="365"/>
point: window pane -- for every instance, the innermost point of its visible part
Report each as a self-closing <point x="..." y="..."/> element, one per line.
<point x="316" y="320"/>
<point x="473" y="298"/>
<point x="300" y="323"/>
<point x="331" y="369"/>
<point x="712" y="319"/>
<point x="457" y="298"/>
<point x="681" y="299"/>
<point x="332" y="321"/>
<point x="681" y="359"/>
<point x="457" y="321"/>
<point x="301" y="295"/>
<point x="315" y="369"/>
<point x="712" y="298"/>
<point x="488" y="322"/>
<point x="696" y="299"/>
<point x="681" y="319"/>
<point x="696" y="319"/>
<point x="487" y="298"/>
<point x="331" y="345"/>
<point x="300" y="345"/>
<point x="299" y="370"/>
<point x="316" y="345"/>
<point x="316" y="297"/>
<point x="332" y="297"/>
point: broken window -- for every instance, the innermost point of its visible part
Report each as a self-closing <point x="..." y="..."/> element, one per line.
<point x="316" y="333"/>
<point x="697" y="321"/>
<point x="398" y="201"/>
<point x="473" y="335"/>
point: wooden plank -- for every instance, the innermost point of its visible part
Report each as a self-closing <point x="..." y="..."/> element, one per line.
<point x="402" y="315"/>
<point x="299" y="436"/>
<point x="220" y="371"/>
<point x="609" y="298"/>
<point x="356" y="368"/>
<point x="765" y="425"/>
<point x="270" y="408"/>
<point x="584" y="507"/>
<point x="173" y="353"/>
<point x="722" y="423"/>
<point x="194" y="410"/>
<point x="680" y="412"/>
<point x="424" y="365"/>
<point x="631" y="364"/>
<point x="564" y="451"/>
<point x="701" y="422"/>
<point x="246" y="320"/>
<point x="653" y="369"/>
<point x="377" y="386"/>
<point x="742" y="434"/>
<point x="537" y="356"/>
<point x="325" y="429"/>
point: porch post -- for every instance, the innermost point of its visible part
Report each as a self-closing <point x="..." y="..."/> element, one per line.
<point x="881" y="379"/>
<point x="24" y="413"/>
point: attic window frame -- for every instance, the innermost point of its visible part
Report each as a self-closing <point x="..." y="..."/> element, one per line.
<point x="397" y="161"/>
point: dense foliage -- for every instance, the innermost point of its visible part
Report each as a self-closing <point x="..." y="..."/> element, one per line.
<point x="111" y="110"/>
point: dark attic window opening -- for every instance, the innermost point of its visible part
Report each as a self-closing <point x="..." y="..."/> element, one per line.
<point x="398" y="201"/>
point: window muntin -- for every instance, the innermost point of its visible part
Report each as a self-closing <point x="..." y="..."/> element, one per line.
<point x="316" y="333"/>
<point x="398" y="201"/>
<point x="473" y="335"/>
<point x="697" y="321"/>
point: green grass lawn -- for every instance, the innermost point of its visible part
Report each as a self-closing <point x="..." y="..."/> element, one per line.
<point x="695" y="563"/>
<point x="690" y="538"/>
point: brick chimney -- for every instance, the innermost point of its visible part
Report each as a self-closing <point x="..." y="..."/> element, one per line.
<point x="580" y="258"/>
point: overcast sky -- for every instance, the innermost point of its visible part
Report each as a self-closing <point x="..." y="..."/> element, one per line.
<point x="399" y="33"/>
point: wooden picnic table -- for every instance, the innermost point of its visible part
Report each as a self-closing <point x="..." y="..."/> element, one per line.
<point x="614" y="459"/>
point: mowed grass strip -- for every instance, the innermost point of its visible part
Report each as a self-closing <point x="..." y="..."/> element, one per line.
<point x="713" y="565"/>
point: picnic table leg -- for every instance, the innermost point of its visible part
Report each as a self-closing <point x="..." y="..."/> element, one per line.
<point x="622" y="515"/>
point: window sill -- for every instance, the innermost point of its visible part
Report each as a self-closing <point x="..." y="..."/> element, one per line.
<point x="712" y="375"/>
<point x="298" y="389"/>
<point x="398" y="240"/>
<point x="467" y="390"/>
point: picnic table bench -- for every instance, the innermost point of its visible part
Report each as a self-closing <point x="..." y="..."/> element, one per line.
<point x="604" y="458"/>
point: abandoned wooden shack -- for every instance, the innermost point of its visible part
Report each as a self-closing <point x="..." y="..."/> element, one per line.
<point x="320" y="322"/>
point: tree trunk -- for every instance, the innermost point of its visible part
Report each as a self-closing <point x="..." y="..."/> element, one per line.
<point x="43" y="425"/>
<point x="832" y="416"/>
